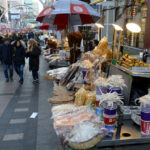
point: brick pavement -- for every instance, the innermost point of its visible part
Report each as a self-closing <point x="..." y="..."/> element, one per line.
<point x="17" y="102"/>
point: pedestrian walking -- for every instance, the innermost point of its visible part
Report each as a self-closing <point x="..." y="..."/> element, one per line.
<point x="19" y="59"/>
<point x="33" y="53"/>
<point x="6" y="55"/>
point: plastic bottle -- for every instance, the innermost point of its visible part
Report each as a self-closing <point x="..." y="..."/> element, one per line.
<point x="145" y="119"/>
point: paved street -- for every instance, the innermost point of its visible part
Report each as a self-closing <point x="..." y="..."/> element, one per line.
<point x="17" y="103"/>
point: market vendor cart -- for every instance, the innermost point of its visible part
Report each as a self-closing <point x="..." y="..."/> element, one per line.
<point x="135" y="81"/>
<point x="127" y="137"/>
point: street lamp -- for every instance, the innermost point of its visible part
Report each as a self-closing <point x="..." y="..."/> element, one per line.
<point x="134" y="25"/>
<point x="118" y="25"/>
<point x="100" y="25"/>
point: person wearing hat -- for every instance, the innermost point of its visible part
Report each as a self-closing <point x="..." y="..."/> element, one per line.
<point x="6" y="55"/>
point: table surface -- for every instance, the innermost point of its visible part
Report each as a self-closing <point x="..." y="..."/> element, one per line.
<point x="132" y="136"/>
<point x="135" y="74"/>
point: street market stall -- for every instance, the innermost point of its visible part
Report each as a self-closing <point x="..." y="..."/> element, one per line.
<point x="92" y="100"/>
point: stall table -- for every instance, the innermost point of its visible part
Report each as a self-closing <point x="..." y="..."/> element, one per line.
<point x="128" y="137"/>
<point x="135" y="81"/>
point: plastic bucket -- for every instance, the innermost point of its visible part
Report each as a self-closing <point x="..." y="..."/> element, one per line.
<point x="109" y="120"/>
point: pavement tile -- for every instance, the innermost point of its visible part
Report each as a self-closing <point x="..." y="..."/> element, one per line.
<point x="47" y="147"/>
<point x="11" y="145"/>
<point x="24" y="101"/>
<point x="11" y="137"/>
<point x="16" y="121"/>
<point x="21" y="110"/>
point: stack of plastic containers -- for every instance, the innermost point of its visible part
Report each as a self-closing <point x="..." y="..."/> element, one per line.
<point x="110" y="115"/>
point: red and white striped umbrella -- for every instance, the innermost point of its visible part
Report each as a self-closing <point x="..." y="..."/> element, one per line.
<point x="46" y="26"/>
<point x="69" y="12"/>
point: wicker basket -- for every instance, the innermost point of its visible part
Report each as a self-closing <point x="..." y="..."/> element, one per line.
<point x="88" y="144"/>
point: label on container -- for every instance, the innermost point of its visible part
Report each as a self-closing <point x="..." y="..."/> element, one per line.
<point x="99" y="111"/>
<point x="145" y="127"/>
<point x="109" y="121"/>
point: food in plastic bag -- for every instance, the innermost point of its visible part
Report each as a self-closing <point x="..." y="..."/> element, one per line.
<point x="90" y="98"/>
<point x="90" y="76"/>
<point x="61" y="99"/>
<point x="80" y="97"/>
<point x="84" y="132"/>
<point x="116" y="81"/>
<point x="67" y="110"/>
<point x="101" y="82"/>
<point x="86" y="64"/>
<point x="62" y="91"/>
<point x="65" y="123"/>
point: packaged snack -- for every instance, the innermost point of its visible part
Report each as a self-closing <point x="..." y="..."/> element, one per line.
<point x="90" y="98"/>
<point x="80" y="97"/>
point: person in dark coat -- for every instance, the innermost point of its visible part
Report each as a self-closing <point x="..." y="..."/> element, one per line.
<point x="19" y="59"/>
<point x="33" y="54"/>
<point x="1" y="43"/>
<point x="1" y="40"/>
<point x="6" y="55"/>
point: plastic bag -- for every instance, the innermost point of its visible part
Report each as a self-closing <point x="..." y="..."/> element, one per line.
<point x="65" y="123"/>
<point x="90" y="98"/>
<point x="84" y="132"/>
<point x="80" y="97"/>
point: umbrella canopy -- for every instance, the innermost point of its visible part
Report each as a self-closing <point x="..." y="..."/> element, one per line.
<point x="46" y="26"/>
<point x="68" y="12"/>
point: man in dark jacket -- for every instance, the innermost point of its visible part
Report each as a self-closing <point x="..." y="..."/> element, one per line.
<point x="6" y="54"/>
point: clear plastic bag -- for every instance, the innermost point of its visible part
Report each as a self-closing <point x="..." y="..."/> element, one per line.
<point x="80" y="97"/>
<point x="84" y="132"/>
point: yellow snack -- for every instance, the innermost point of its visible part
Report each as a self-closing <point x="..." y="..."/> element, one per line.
<point x="90" y="98"/>
<point x="80" y="97"/>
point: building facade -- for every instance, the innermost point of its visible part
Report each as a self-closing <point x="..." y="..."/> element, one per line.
<point x="3" y="8"/>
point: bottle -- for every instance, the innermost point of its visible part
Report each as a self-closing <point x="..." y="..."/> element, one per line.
<point x="145" y="119"/>
<point x="145" y="55"/>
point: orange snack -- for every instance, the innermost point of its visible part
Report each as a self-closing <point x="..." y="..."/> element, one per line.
<point x="69" y="121"/>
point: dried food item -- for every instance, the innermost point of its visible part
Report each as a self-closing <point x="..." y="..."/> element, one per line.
<point x="101" y="82"/>
<point x="79" y="132"/>
<point x="86" y="64"/>
<point x="104" y="50"/>
<point x="47" y="77"/>
<point x="70" y="121"/>
<point x="80" y="97"/>
<point x="110" y="98"/>
<point x="90" y="98"/>
<point x="115" y="81"/>
<point x="129" y="62"/>
<point x="62" y="91"/>
<point x="61" y="99"/>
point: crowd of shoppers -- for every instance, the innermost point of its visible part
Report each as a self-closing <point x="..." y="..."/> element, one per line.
<point x="14" y="51"/>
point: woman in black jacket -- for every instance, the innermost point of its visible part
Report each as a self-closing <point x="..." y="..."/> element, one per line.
<point x="19" y="59"/>
<point x="33" y="53"/>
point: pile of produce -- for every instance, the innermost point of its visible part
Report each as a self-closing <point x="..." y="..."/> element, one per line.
<point x="83" y="97"/>
<point x="129" y="62"/>
<point x="103" y="49"/>
<point x="52" y="44"/>
<point x="74" y="38"/>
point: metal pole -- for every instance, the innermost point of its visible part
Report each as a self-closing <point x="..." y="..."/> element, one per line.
<point x="114" y="43"/>
<point x="119" y="44"/>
